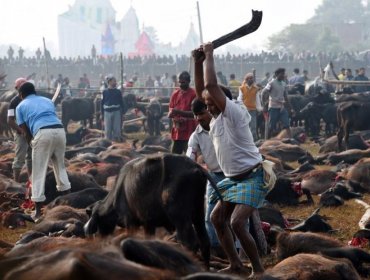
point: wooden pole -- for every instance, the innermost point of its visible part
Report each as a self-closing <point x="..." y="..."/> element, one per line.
<point x="121" y="61"/>
<point x="46" y="63"/>
<point x="200" y="24"/>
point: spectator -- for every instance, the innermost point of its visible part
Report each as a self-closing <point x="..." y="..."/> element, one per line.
<point x="38" y="54"/>
<point x="20" y="54"/>
<point x="296" y="78"/>
<point x="248" y="95"/>
<point x="111" y="110"/>
<point x="234" y="85"/>
<point x="265" y="80"/>
<point x="42" y="83"/>
<point x="349" y="76"/>
<point x="277" y="93"/>
<point x="221" y="78"/>
<point x="342" y="74"/>
<point x="181" y="114"/>
<point x="361" y="77"/>
<point x="11" y="54"/>
<point x="166" y="83"/>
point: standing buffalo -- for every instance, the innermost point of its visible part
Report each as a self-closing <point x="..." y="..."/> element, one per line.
<point x="157" y="191"/>
<point x="154" y="114"/>
<point x="4" y="127"/>
<point x="77" y="109"/>
<point x="352" y="115"/>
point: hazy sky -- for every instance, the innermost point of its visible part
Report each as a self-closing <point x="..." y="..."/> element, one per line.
<point x="25" y="22"/>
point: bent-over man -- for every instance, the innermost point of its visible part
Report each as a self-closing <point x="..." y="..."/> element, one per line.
<point x="40" y="125"/>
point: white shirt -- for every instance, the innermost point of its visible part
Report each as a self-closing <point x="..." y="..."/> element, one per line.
<point x="233" y="140"/>
<point x="200" y="142"/>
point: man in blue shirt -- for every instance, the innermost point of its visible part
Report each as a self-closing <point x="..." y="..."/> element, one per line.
<point x="111" y="110"/>
<point x="44" y="131"/>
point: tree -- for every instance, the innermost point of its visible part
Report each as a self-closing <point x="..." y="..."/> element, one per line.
<point x="317" y="34"/>
<point x="327" y="41"/>
<point x="334" y="11"/>
<point x="296" y="37"/>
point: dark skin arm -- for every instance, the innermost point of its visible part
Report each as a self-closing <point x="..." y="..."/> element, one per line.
<point x="180" y="113"/>
<point x="210" y="79"/>
<point x="199" y="57"/>
<point x="26" y="133"/>
<point x="12" y="123"/>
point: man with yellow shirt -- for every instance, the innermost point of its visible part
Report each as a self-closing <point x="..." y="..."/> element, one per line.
<point x="248" y="95"/>
<point x="234" y="85"/>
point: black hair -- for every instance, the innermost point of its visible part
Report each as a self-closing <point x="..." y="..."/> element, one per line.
<point x="296" y="70"/>
<point x="232" y="76"/>
<point x="197" y="106"/>
<point x="27" y="89"/>
<point x="185" y="75"/>
<point x="227" y="92"/>
<point x="279" y="70"/>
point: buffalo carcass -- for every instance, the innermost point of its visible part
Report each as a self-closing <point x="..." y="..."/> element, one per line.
<point x="351" y="115"/>
<point x="290" y="244"/>
<point x="77" y="109"/>
<point x="311" y="267"/>
<point x="160" y="190"/>
<point x="4" y="127"/>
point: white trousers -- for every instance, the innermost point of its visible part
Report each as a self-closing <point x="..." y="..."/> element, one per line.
<point x="48" y="144"/>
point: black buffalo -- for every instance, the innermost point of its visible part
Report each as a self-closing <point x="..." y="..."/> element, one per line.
<point x="161" y="190"/>
<point x="351" y="115"/>
<point x="154" y="114"/>
<point x="77" y="109"/>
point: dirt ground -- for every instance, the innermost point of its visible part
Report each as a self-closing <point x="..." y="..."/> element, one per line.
<point x="343" y="219"/>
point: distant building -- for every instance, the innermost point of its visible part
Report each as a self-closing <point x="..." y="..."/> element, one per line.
<point x="85" y="24"/>
<point x="191" y="41"/>
<point x="93" y="22"/>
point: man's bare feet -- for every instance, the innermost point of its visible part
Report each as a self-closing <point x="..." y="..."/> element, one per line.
<point x="242" y="271"/>
<point x="255" y="275"/>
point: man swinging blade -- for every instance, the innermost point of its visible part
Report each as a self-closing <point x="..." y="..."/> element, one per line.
<point x="244" y="188"/>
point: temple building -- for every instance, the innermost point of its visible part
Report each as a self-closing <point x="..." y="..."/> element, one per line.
<point x="93" y="22"/>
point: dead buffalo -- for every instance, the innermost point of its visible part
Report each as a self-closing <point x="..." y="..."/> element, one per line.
<point x="349" y="156"/>
<point x="359" y="175"/>
<point x="80" y="199"/>
<point x="78" y="182"/>
<point x="290" y="244"/>
<point x="311" y="267"/>
<point x="318" y="181"/>
<point x="160" y="190"/>
<point x="158" y="254"/>
<point x="314" y="223"/>
<point x="77" y="109"/>
<point x="356" y="141"/>
<point x="285" y="192"/>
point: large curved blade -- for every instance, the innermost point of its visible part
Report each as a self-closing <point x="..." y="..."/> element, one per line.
<point x="241" y="31"/>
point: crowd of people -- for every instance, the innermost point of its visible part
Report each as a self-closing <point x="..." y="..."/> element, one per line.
<point x="263" y="57"/>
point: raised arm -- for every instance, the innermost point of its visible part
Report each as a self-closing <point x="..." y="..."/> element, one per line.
<point x="210" y="79"/>
<point x="199" y="57"/>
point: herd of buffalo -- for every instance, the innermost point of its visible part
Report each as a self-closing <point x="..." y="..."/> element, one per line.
<point x="136" y="211"/>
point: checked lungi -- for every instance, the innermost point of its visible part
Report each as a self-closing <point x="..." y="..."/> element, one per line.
<point x="250" y="191"/>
